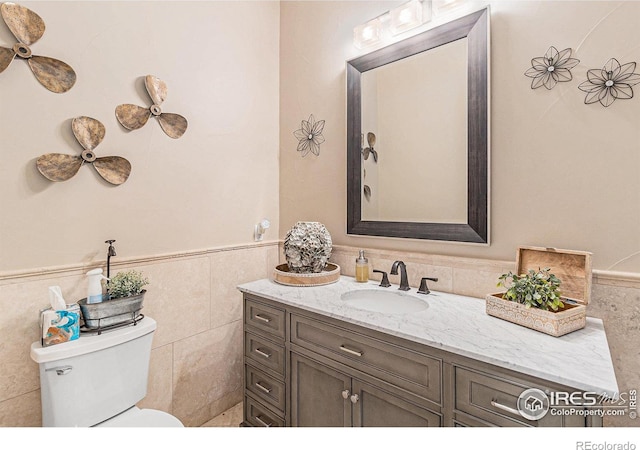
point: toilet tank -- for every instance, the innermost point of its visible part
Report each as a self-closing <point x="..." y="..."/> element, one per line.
<point x="95" y="377"/>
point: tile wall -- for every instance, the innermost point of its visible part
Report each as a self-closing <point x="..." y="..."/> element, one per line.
<point x="196" y="361"/>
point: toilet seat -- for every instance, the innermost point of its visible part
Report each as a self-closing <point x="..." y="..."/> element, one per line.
<point x="136" y="417"/>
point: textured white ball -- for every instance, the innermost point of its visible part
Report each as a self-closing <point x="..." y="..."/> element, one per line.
<point x="307" y="247"/>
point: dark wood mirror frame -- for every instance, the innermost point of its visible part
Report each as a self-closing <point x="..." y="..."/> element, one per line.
<point x="474" y="27"/>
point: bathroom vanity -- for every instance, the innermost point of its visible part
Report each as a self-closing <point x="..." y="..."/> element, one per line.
<point x="314" y="356"/>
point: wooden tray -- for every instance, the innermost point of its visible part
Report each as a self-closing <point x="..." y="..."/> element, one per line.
<point x="330" y="274"/>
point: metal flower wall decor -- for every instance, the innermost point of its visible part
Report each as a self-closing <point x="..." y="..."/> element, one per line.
<point x="610" y="83"/>
<point x="310" y="136"/>
<point x="133" y="117"/>
<point x="28" y="28"/>
<point x="552" y="68"/>
<point x="89" y="132"/>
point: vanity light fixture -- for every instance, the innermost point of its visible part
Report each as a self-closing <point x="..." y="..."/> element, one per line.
<point x="368" y="33"/>
<point x="409" y="15"/>
<point x="405" y="17"/>
<point x="261" y="229"/>
<point x="441" y="7"/>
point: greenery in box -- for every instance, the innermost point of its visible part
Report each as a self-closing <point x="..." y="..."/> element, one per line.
<point x="534" y="289"/>
<point x="126" y="284"/>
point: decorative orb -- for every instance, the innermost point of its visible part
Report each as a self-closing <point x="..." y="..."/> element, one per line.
<point x="307" y="247"/>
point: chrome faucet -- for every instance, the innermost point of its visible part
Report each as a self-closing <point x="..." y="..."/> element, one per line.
<point x="404" y="283"/>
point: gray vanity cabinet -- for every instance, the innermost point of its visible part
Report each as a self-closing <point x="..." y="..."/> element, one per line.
<point x="308" y="369"/>
<point x="264" y="364"/>
<point x="317" y="398"/>
<point x="376" y="407"/>
<point x="322" y="396"/>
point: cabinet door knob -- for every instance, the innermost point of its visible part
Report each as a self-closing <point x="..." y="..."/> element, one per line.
<point x="354" y="398"/>
<point x="345" y="394"/>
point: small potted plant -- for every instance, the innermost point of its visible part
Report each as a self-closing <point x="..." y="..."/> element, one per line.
<point x="534" y="289"/>
<point x="123" y="303"/>
<point x="126" y="284"/>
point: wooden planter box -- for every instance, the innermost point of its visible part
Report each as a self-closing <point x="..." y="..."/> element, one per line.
<point x="573" y="268"/>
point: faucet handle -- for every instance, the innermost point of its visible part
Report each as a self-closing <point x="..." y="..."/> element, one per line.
<point x="423" y="289"/>
<point x="385" y="278"/>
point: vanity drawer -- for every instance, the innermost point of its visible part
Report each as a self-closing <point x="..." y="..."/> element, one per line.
<point x="264" y="387"/>
<point x="478" y="393"/>
<point x="264" y="352"/>
<point x="416" y="372"/>
<point x="264" y="317"/>
<point x="259" y="416"/>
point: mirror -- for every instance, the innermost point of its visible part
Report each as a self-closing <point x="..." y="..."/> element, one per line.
<point x="417" y="122"/>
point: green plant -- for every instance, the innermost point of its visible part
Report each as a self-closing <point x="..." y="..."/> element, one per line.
<point x="126" y="283"/>
<point x="537" y="289"/>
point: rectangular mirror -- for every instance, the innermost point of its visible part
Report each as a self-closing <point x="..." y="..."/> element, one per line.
<point x="417" y="119"/>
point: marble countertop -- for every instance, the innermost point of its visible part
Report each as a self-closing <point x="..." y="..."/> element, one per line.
<point x="460" y="325"/>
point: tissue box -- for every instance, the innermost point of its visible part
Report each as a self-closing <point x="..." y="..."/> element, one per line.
<point x="60" y="326"/>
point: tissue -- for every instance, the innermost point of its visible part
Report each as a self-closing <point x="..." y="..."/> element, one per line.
<point x="61" y="322"/>
<point x="55" y="298"/>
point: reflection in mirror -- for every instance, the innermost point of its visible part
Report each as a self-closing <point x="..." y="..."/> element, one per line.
<point x="421" y="131"/>
<point x="426" y="101"/>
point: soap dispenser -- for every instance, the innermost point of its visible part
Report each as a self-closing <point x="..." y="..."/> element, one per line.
<point x="94" y="291"/>
<point x="362" y="268"/>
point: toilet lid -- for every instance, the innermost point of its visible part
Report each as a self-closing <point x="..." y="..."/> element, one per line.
<point x="136" y="417"/>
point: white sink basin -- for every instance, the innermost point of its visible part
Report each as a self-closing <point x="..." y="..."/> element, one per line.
<point x="389" y="302"/>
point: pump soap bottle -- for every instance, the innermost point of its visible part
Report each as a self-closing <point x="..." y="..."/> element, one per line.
<point x="362" y="268"/>
<point x="94" y="291"/>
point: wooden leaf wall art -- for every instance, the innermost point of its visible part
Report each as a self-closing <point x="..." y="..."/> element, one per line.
<point x="133" y="117"/>
<point x="89" y="132"/>
<point x="28" y="28"/>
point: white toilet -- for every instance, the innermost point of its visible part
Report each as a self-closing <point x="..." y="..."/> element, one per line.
<point x="96" y="380"/>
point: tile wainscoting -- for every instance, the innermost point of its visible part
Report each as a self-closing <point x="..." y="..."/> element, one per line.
<point x="196" y="361"/>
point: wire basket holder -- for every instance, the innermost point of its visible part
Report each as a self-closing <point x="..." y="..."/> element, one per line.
<point x="135" y="318"/>
<point x="111" y="314"/>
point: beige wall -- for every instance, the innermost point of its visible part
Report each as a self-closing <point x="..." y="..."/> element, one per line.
<point x="186" y="215"/>
<point x="563" y="174"/>
<point x="206" y="189"/>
